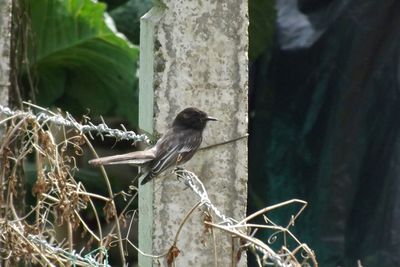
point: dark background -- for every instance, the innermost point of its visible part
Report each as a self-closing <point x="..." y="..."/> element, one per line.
<point x="324" y="105"/>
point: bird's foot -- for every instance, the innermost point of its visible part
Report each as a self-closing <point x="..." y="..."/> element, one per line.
<point x="180" y="174"/>
<point x="178" y="169"/>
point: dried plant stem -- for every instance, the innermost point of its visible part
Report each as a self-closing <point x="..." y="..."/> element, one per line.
<point x="10" y="135"/>
<point x="215" y="248"/>
<point x="87" y="227"/>
<point x="187" y="216"/>
<point x="97" y="219"/>
<point x="259" y="245"/>
<point x="70" y="236"/>
<point x="233" y="261"/>
<point x="61" y="198"/>
<point x="106" y="199"/>
<point x="98" y="228"/>
<point x="111" y="195"/>
<point x="269" y="208"/>
<point x="32" y="246"/>
<point x="140" y="251"/>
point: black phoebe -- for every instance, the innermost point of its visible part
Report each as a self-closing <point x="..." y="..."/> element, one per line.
<point x="175" y="147"/>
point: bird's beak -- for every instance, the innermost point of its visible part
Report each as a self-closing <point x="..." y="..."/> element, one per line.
<point x="211" y="119"/>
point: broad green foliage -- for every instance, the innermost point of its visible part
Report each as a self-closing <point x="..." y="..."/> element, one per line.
<point x="79" y="60"/>
<point x="262" y="26"/>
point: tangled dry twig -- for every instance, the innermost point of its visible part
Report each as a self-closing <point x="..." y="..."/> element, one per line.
<point x="29" y="234"/>
<point x="53" y="143"/>
<point x="301" y="255"/>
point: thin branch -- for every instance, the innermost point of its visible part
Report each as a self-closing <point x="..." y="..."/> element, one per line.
<point x="187" y="216"/>
<point x="258" y="244"/>
<point x="111" y="194"/>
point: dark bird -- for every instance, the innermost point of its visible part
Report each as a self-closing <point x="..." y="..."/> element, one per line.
<point x="175" y="147"/>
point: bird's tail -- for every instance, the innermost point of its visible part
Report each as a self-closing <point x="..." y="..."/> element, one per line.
<point x="136" y="158"/>
<point x="146" y="177"/>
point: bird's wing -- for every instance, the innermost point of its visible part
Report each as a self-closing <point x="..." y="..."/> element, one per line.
<point x="175" y="148"/>
<point x="137" y="158"/>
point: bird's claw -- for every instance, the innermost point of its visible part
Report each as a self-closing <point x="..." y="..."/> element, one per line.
<point x="178" y="173"/>
<point x="178" y="169"/>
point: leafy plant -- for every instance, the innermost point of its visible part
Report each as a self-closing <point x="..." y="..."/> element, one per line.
<point x="78" y="59"/>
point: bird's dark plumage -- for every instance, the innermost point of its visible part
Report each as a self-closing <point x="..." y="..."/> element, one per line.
<point x="175" y="147"/>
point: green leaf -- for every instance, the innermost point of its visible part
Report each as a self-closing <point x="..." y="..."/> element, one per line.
<point x="78" y="55"/>
<point x="53" y="85"/>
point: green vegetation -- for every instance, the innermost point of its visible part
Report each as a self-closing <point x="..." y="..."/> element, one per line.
<point x="78" y="61"/>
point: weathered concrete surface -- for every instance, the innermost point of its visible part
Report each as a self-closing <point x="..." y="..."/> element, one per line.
<point x="5" y="43"/>
<point x="146" y="122"/>
<point x="200" y="59"/>
<point x="5" y="33"/>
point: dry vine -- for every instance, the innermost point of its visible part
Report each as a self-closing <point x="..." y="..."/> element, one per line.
<point x="54" y="142"/>
<point x="301" y="255"/>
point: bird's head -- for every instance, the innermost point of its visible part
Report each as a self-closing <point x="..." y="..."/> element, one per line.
<point x="192" y="118"/>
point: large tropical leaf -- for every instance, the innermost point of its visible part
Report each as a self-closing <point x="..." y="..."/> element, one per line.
<point x="79" y="59"/>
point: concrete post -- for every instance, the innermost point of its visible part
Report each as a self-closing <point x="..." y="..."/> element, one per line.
<point x="194" y="53"/>
<point x="5" y="41"/>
